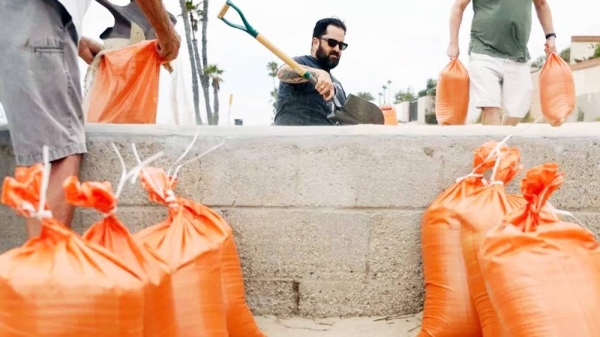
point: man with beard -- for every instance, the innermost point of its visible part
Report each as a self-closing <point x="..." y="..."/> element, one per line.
<point x="299" y="102"/>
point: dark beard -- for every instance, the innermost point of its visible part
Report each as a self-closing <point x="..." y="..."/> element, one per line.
<point x="324" y="61"/>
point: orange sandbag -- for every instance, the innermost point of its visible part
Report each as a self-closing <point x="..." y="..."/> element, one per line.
<point x="389" y="114"/>
<point x="191" y="244"/>
<point x="202" y="227"/>
<point x="452" y="94"/>
<point x="110" y="233"/>
<point x="448" y="310"/>
<point x="478" y="213"/>
<point x="557" y="90"/>
<point x="57" y="285"/>
<point x="543" y="274"/>
<point x="125" y="87"/>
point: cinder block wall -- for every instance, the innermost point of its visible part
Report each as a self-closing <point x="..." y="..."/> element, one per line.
<point x="327" y="220"/>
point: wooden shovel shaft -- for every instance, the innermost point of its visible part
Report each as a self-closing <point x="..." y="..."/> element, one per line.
<point x="285" y="58"/>
<point x="293" y="64"/>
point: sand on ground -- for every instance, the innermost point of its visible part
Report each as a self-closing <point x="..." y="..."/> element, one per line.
<point x="399" y="326"/>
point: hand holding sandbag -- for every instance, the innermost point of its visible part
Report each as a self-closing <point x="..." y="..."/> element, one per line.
<point x="124" y="89"/>
<point x="452" y="94"/>
<point x="557" y="90"/>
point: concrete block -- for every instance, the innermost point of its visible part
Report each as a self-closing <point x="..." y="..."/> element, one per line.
<point x="263" y="172"/>
<point x="334" y="176"/>
<point x="134" y="218"/>
<point x="589" y="220"/>
<point x="356" y="298"/>
<point x="13" y="232"/>
<point x="395" y="247"/>
<point x="301" y="244"/>
<point x="195" y="180"/>
<point x="272" y="297"/>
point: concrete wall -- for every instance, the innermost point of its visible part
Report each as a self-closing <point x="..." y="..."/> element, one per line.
<point x="426" y="106"/>
<point x="327" y="219"/>
<point x="403" y="112"/>
<point x="589" y="105"/>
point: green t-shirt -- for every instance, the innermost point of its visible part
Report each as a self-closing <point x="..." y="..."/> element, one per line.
<point x="501" y="28"/>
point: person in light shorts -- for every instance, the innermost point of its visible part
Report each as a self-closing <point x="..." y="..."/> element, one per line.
<point x="499" y="61"/>
<point x="40" y="87"/>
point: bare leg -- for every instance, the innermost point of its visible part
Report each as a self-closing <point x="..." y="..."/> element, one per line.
<point x="513" y="121"/>
<point x="490" y="116"/>
<point x="61" y="210"/>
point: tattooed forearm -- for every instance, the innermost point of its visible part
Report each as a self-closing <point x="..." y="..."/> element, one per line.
<point x="289" y="75"/>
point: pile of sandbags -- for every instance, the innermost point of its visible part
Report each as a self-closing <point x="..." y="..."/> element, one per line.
<point x="178" y="277"/>
<point x="498" y="264"/>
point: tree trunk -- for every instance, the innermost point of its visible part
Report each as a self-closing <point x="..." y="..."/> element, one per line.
<point x="188" y="38"/>
<point x="200" y="71"/>
<point x="216" y="88"/>
<point x="204" y="77"/>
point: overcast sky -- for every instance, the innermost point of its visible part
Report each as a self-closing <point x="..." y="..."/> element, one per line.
<point x="401" y="41"/>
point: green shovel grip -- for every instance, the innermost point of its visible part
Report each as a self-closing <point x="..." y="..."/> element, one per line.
<point x="246" y="27"/>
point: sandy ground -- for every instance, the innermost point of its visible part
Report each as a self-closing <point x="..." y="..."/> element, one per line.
<point x="402" y="326"/>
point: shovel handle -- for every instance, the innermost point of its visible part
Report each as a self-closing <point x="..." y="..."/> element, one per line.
<point x="250" y="30"/>
<point x="285" y="58"/>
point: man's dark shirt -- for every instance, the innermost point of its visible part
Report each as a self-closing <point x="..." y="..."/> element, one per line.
<point x="301" y="104"/>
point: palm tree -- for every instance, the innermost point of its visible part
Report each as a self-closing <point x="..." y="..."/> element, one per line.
<point x="389" y="86"/>
<point x="186" y="6"/>
<point x="272" y="67"/>
<point x="214" y="73"/>
<point x="384" y="96"/>
<point x="201" y="62"/>
<point x="366" y="96"/>
<point x="204" y="77"/>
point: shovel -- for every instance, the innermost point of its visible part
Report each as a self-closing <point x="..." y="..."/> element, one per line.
<point x="355" y="111"/>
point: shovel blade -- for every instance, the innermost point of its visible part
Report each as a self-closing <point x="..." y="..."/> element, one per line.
<point x="358" y="111"/>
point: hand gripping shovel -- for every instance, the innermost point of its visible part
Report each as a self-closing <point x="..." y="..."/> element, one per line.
<point x="355" y="111"/>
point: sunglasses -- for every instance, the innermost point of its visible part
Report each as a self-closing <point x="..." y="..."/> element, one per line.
<point x="333" y="42"/>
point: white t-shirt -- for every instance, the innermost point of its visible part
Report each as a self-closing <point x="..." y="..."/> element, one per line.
<point x="77" y="10"/>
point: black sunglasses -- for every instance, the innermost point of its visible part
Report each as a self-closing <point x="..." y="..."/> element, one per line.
<point x="333" y="42"/>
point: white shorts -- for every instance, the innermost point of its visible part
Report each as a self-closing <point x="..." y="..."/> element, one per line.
<point x="500" y="83"/>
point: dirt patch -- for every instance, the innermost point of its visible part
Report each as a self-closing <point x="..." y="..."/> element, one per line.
<point x="400" y="326"/>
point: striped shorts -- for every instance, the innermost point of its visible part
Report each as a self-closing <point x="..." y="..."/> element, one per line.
<point x="40" y="85"/>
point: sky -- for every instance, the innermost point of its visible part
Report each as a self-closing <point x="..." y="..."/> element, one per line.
<point x="401" y="41"/>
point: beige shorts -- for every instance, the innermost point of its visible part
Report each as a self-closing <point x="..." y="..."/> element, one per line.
<point x="500" y="83"/>
<point x="40" y="86"/>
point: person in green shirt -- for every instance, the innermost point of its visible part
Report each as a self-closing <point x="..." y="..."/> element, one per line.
<point x="499" y="67"/>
